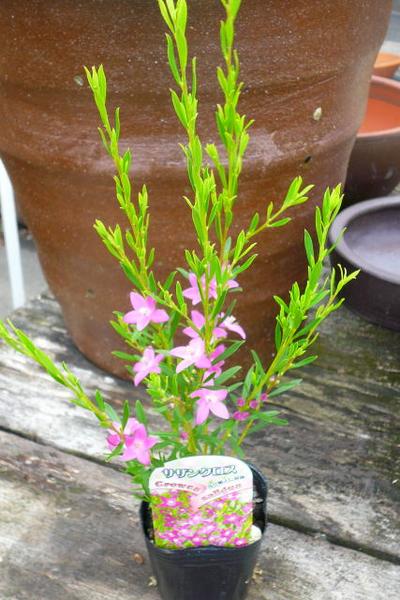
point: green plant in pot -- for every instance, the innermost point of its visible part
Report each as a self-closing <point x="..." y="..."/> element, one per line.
<point x="182" y="334"/>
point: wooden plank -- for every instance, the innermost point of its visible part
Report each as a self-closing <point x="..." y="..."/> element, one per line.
<point x="69" y="529"/>
<point x="334" y="469"/>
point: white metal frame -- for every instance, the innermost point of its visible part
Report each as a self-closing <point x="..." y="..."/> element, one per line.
<point x="11" y="238"/>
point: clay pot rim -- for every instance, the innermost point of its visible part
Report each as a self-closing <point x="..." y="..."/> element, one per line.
<point x="386" y="83"/>
<point x="344" y="219"/>
<point x="390" y="60"/>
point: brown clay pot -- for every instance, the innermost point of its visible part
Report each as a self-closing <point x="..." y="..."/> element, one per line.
<point x="374" y="168"/>
<point x="306" y="69"/>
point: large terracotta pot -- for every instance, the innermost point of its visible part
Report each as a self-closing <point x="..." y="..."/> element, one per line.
<point x="306" y="67"/>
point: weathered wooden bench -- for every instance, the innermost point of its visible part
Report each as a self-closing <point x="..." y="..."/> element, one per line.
<point x="69" y="525"/>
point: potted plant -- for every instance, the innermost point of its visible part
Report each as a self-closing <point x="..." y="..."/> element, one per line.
<point x="182" y="333"/>
<point x="307" y="105"/>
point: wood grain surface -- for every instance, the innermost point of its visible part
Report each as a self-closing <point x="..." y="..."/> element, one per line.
<point x="333" y="472"/>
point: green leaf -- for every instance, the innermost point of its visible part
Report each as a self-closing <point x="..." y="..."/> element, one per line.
<point x="125" y="413"/>
<point x="172" y="60"/>
<point x="304" y="362"/>
<point x="110" y="412"/>
<point x="140" y="413"/>
<point x="278" y="335"/>
<point x="308" y="244"/>
<point x="229" y="351"/>
<point x="280" y="222"/>
<point x="284" y="387"/>
<point x="179" y="108"/>
<point x="100" y="400"/>
<point x="126" y="356"/>
<point x="226" y="375"/>
<point x="115" y="452"/>
<point x="257" y="361"/>
<point x="169" y="281"/>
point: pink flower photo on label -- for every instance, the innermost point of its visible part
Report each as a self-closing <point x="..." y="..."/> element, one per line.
<point x="224" y="521"/>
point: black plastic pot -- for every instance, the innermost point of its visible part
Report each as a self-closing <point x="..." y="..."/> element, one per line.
<point x="211" y="572"/>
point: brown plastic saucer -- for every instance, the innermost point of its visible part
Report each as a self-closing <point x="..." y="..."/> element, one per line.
<point x="371" y="243"/>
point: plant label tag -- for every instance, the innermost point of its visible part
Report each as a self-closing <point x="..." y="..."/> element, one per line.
<point x="202" y="501"/>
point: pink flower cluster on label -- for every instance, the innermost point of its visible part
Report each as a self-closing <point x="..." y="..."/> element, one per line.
<point x="225" y="521"/>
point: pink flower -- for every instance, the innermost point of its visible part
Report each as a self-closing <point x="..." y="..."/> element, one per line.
<point x="253" y="404"/>
<point x="240" y="416"/>
<point x="227" y="533"/>
<point x="192" y="354"/>
<point x="149" y="363"/>
<point x="207" y="529"/>
<point x="197" y="541"/>
<point x="231" y="324"/>
<point x="197" y="519"/>
<point x="215" y="369"/>
<point x="199" y="321"/>
<point x="184" y="436"/>
<point x="114" y="439"/>
<point x="232" y="283"/>
<point x="240" y="542"/>
<point x="241" y="402"/>
<point x="138" y="446"/>
<point x="210" y="400"/>
<point x="186" y="533"/>
<point x="144" y="312"/>
<point x="170" y="502"/>
<point x="234" y="519"/>
<point x="193" y="292"/>
<point x="264" y="397"/>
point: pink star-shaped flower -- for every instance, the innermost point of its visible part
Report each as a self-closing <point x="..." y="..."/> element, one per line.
<point x="231" y="324"/>
<point x="210" y="401"/>
<point x="149" y="363"/>
<point x="137" y="446"/>
<point x="192" y="354"/>
<point x="199" y="322"/>
<point x="232" y="283"/>
<point x="241" y="416"/>
<point x="216" y="367"/>
<point x="193" y="292"/>
<point x="144" y="312"/>
<point x="115" y="436"/>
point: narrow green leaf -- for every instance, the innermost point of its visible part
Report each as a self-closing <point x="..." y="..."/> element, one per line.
<point x="140" y="413"/>
<point x="284" y="387"/>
